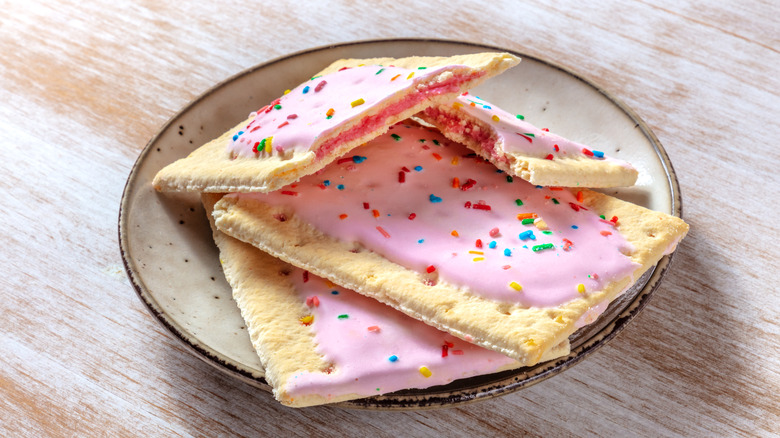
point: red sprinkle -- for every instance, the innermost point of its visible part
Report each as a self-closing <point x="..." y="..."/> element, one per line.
<point x="343" y="216"/>
<point x="375" y="212"/>
<point x="289" y="192"/>
<point x="283" y="124"/>
<point x="614" y="220"/>
<point x="384" y="233"/>
<point x="444" y="350"/>
<point x="345" y="160"/>
<point x="374" y="328"/>
<point x="467" y="204"/>
<point x="292" y="117"/>
<point x="555" y="146"/>
<point x="255" y="128"/>
<point x="313" y="301"/>
<point x="305" y="276"/>
<point x="567" y="244"/>
<point x="579" y="196"/>
<point x="549" y="157"/>
<point x="430" y="269"/>
<point x="320" y="85"/>
<point x="494" y="232"/>
<point x="401" y="176"/>
<point x="322" y="186"/>
<point x="405" y="169"/>
<point x="479" y="243"/>
<point x="481" y="207"/>
<point x="437" y="156"/>
<point x="343" y="68"/>
<point x="469" y="184"/>
<point x="606" y="233"/>
<point x="587" y="152"/>
<point x="365" y="206"/>
<point x="545" y="130"/>
<point x="412" y="216"/>
<point x="576" y="207"/>
<point x="455" y="183"/>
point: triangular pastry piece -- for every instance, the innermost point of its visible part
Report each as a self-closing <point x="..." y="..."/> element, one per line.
<point x="521" y="149"/>
<point x="340" y="108"/>
<point x="422" y="224"/>
<point x="320" y="343"/>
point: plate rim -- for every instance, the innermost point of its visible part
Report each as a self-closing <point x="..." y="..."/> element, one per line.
<point x="399" y="400"/>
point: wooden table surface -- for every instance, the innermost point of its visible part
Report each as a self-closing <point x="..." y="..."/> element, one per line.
<point x="85" y="84"/>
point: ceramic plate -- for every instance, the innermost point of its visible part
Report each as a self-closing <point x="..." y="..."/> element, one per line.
<point x="173" y="263"/>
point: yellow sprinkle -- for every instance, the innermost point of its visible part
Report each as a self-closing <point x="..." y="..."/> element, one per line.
<point x="361" y="65"/>
<point x="306" y="320"/>
<point x="454" y="233"/>
<point x="530" y="343"/>
<point x="456" y="104"/>
<point x="581" y="288"/>
<point x="330" y="112"/>
<point x="410" y="75"/>
<point x="540" y="224"/>
<point x="495" y="118"/>
<point x="424" y="370"/>
<point x="477" y="252"/>
<point x="515" y="286"/>
<point x="358" y="102"/>
<point x="268" y="144"/>
<point x="559" y="319"/>
<point x="286" y="91"/>
<point x="454" y="161"/>
<point x="478" y="259"/>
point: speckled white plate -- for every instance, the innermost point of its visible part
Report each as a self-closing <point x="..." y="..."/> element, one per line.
<point x="173" y="263"/>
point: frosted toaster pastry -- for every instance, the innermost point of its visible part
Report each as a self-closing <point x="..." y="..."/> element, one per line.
<point x="521" y="149"/>
<point x="320" y="343"/>
<point x="423" y="225"/>
<point x="343" y="106"/>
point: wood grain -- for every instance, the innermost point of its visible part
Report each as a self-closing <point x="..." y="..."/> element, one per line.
<point x="84" y="85"/>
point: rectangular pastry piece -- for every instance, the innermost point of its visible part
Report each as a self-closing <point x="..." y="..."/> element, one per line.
<point x="340" y="108"/>
<point x="320" y="343"/>
<point x="422" y="224"/>
<point x="521" y="149"/>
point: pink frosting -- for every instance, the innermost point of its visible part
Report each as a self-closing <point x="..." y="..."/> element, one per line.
<point x="513" y="133"/>
<point x="375" y="349"/>
<point x="323" y="105"/>
<point x="396" y="198"/>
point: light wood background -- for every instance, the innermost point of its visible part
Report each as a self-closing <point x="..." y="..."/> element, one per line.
<point x="85" y="84"/>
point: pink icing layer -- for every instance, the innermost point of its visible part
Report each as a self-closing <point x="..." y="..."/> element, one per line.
<point x="515" y="135"/>
<point x="423" y="223"/>
<point x="326" y="104"/>
<point x="360" y="336"/>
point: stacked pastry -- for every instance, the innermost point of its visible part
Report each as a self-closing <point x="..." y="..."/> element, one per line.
<point x="370" y="253"/>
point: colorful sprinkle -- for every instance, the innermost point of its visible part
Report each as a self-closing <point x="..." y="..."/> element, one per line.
<point x="334" y="292"/>
<point x="527" y="221"/>
<point x="468" y="185"/>
<point x="494" y="118"/>
<point x="307" y="320"/>
<point x="537" y="248"/>
<point x="396" y="137"/>
<point x="373" y="329"/>
<point x="375" y="213"/>
<point x="383" y="232"/>
<point x="514" y="285"/>
<point x="425" y="371"/>
<point x="395" y="77"/>
<point x="340" y="186"/>
<point x="494" y="232"/>
<point x="519" y="202"/>
<point x="567" y="244"/>
<point x="305" y="89"/>
<point x="393" y="358"/>
<point x="478" y="259"/>
<point x="410" y="75"/>
<point x="522" y="216"/>
<point x="526" y="235"/>
<point x="478" y="243"/>
<point x="454" y="233"/>
<point x="412" y="216"/>
<point x="313" y="301"/>
<point x="549" y="157"/>
<point x="320" y="86"/>
<point x="358" y="102"/>
<point x="580" y="196"/>
<point x="277" y="106"/>
<point x="430" y="269"/>
<point x="482" y="207"/>
<point x="380" y="71"/>
<point x="581" y="288"/>
<point x="401" y="176"/>
<point x="433" y="198"/>
<point x="343" y="216"/>
<point x="343" y="316"/>
<point x="598" y="154"/>
<point x="418" y="168"/>
<point x="509" y="179"/>
<point x="521" y="117"/>
<point x="507" y="252"/>
<point x="492" y="245"/>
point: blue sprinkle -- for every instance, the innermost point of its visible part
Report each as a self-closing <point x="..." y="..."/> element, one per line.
<point x="539" y="187"/>
<point x="335" y="292"/>
<point x="418" y="168"/>
<point x="486" y="106"/>
<point x="499" y="171"/>
<point x="340" y="186"/>
<point x="305" y="89"/>
<point x="235" y="137"/>
<point x="421" y="241"/>
<point x="598" y="154"/>
<point x="358" y="159"/>
<point x="434" y="198"/>
<point x="574" y="226"/>
<point x="326" y="182"/>
<point x="507" y="252"/>
<point x="525" y="235"/>
<point x="392" y="358"/>
<point x="492" y="244"/>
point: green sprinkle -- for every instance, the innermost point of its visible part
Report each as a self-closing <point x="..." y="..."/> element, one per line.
<point x="528" y="221"/>
<point x="509" y="178"/>
<point x="345" y="316"/>
<point x="315" y="77"/>
<point x="380" y="71"/>
<point x="518" y="202"/>
<point x="547" y="232"/>
<point x="277" y="106"/>
<point x="436" y="142"/>
<point x="537" y="248"/>
<point x="421" y="68"/>
<point x="261" y="146"/>
<point x="520" y="117"/>
<point x="555" y="201"/>
<point x="329" y="117"/>
<point x="529" y="134"/>
<point x="422" y="140"/>
<point x="396" y="137"/>
<point x="603" y="217"/>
